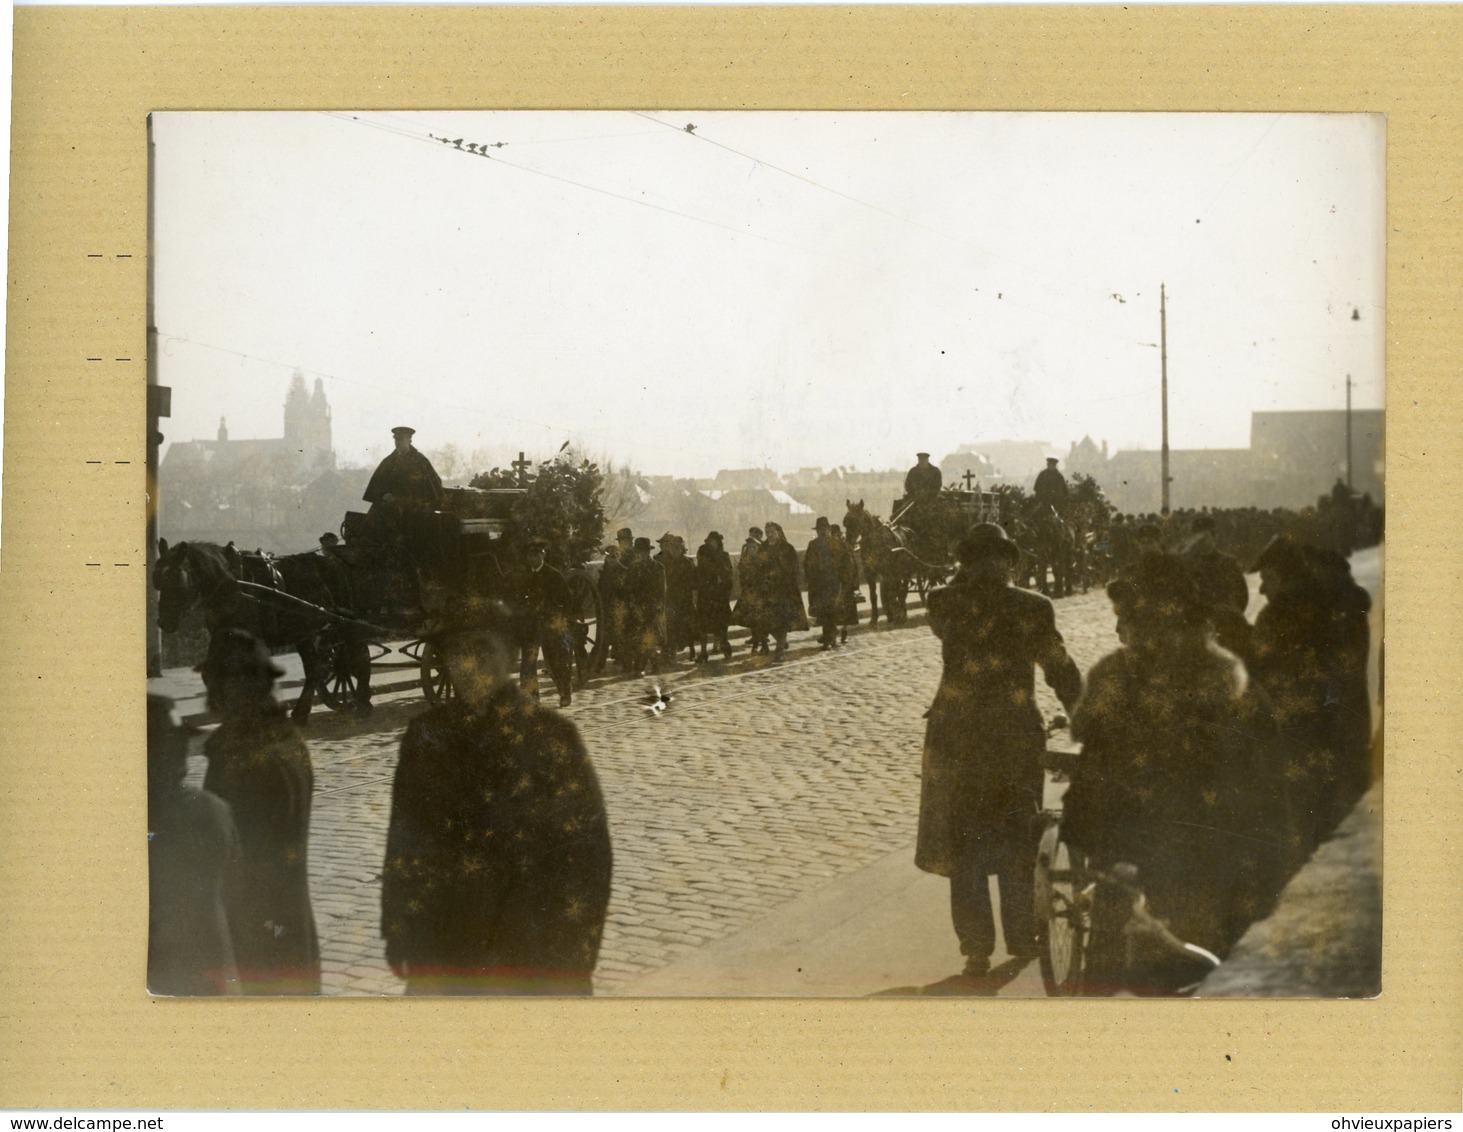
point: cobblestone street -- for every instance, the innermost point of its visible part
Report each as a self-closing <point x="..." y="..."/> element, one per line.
<point x="761" y="784"/>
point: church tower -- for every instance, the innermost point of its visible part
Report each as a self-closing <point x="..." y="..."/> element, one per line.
<point x="296" y="413"/>
<point x="307" y="423"/>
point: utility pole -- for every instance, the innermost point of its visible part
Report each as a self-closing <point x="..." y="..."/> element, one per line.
<point x="1163" y="363"/>
<point x="1348" y="432"/>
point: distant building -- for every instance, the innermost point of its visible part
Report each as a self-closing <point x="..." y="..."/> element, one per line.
<point x="738" y="479"/>
<point x="1304" y="453"/>
<point x="252" y="490"/>
<point x="305" y="449"/>
<point x="1011" y="461"/>
<point x="1293" y="458"/>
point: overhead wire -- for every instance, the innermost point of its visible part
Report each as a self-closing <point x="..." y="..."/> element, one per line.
<point x="1046" y="313"/>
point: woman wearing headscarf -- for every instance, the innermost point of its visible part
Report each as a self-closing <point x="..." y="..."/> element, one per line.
<point x="783" y="595"/>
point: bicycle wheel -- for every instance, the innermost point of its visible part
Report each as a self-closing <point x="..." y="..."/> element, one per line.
<point x="1062" y="914"/>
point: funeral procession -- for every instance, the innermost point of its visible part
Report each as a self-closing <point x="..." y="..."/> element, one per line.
<point x="703" y="556"/>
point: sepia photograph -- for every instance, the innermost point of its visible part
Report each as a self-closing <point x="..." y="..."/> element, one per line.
<point x="709" y="553"/>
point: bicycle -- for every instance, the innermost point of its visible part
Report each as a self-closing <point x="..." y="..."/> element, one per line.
<point x="1077" y="903"/>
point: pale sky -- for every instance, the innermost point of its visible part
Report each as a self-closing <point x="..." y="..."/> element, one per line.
<point x="788" y="289"/>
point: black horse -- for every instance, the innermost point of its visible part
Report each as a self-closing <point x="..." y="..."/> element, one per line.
<point x="1047" y="540"/>
<point x="887" y="565"/>
<point x="207" y="575"/>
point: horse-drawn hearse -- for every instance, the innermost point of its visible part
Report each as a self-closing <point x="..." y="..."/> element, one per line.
<point x="369" y="597"/>
<point x="916" y="546"/>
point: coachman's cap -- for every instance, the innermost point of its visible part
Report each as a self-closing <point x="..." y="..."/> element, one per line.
<point x="987" y="540"/>
<point x="233" y="652"/>
<point x="1051" y="460"/>
<point x="917" y="455"/>
<point x="403" y="430"/>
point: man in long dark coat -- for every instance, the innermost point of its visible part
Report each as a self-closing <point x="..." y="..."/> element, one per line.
<point x="405" y="476"/>
<point x="820" y="567"/>
<point x="1051" y="486"/>
<point x="923" y="480"/>
<point x="714" y="580"/>
<point x="497" y="872"/>
<point x="547" y="599"/>
<point x="645" y="610"/>
<point x="191" y="845"/>
<point x="783" y="596"/>
<point x="680" y="597"/>
<point x="1310" y="651"/>
<point x="259" y="765"/>
<point x="612" y="597"/>
<point x="403" y="492"/>
<point x="982" y="779"/>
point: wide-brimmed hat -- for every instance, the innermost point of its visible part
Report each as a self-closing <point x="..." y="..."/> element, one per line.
<point x="987" y="540"/>
<point x="716" y="535"/>
<point x="642" y="543"/>
<point x="821" y="523"/>
<point x="624" y="534"/>
<point x="235" y="652"/>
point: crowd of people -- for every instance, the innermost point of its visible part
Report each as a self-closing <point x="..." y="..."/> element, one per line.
<point x="658" y="606"/>
<point x="1216" y="753"/>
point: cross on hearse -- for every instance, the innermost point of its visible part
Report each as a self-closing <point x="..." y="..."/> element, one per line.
<point x="969" y="478"/>
<point x="521" y="466"/>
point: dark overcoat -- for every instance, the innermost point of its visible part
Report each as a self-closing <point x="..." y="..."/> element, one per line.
<point x="612" y="597"/>
<point x="680" y="600"/>
<point x="259" y="765"/>
<point x="714" y="578"/>
<point x="406" y="476"/>
<point x="192" y="844"/>
<point x="498" y="859"/>
<point x="820" y="568"/>
<point x="781" y="593"/>
<point x="1181" y="775"/>
<point x="1310" y="653"/>
<point x="645" y="605"/>
<point x="980" y="790"/>
<point x="1050" y="487"/>
<point x="751" y="607"/>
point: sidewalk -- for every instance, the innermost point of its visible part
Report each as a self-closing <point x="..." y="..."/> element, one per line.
<point x="886" y="930"/>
